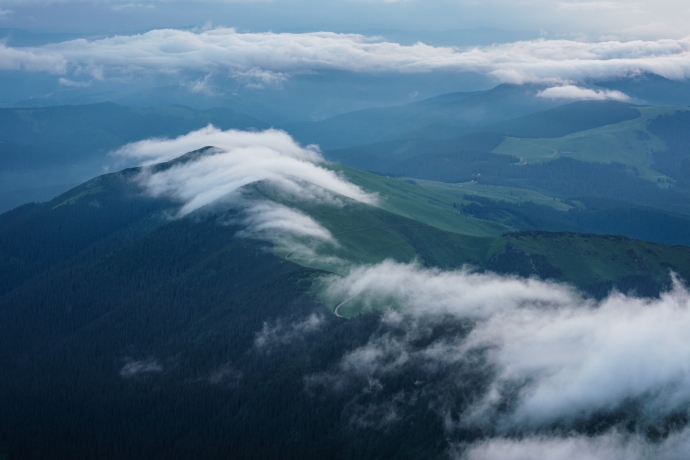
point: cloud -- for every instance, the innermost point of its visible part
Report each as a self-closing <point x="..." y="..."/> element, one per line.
<point x="557" y="356"/>
<point x="239" y="158"/>
<point x="257" y="78"/>
<point x="19" y="59"/>
<point x="599" y="6"/>
<point x="226" y="375"/>
<point x="269" y="58"/>
<point x="74" y="84"/>
<point x="607" y="447"/>
<point x="425" y="291"/>
<point x="267" y="218"/>
<point x="281" y="334"/>
<point x="610" y="446"/>
<point x="583" y="94"/>
<point x="132" y="7"/>
<point x="592" y="359"/>
<point x="202" y="86"/>
<point x="134" y="368"/>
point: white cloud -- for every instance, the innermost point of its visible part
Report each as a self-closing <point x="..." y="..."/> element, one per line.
<point x="583" y="94"/>
<point x="607" y="447"/>
<point x="266" y="219"/>
<point x="424" y="291"/>
<point x="258" y="78"/>
<point x="599" y="6"/>
<point x="590" y="359"/>
<point x="19" y="59"/>
<point x="610" y="446"/>
<point x="134" y="368"/>
<point x="268" y="58"/>
<point x="571" y="357"/>
<point x="74" y="84"/>
<point x="281" y="334"/>
<point x="226" y="375"/>
<point x="239" y="158"/>
<point x="202" y="85"/>
<point x="132" y="7"/>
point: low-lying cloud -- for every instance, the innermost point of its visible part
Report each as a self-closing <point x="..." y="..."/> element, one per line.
<point x="134" y="368"/>
<point x="556" y="360"/>
<point x="280" y="334"/>
<point x="268" y="58"/>
<point x="582" y="94"/>
<point x="611" y="446"/>
<point x="237" y="159"/>
<point x="268" y="220"/>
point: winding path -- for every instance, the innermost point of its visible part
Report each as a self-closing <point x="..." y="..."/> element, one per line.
<point x="335" y="310"/>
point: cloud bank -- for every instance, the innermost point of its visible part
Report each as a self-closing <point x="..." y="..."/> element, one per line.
<point x="238" y="159"/>
<point x="556" y="360"/>
<point x="270" y="57"/>
<point x="611" y="446"/>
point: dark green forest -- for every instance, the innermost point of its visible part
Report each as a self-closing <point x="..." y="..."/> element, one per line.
<point x="127" y="331"/>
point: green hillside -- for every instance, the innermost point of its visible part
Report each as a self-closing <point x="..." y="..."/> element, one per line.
<point x="628" y="142"/>
<point x="148" y="328"/>
<point x="566" y="119"/>
<point x="422" y="204"/>
<point x="593" y="263"/>
<point x="405" y="228"/>
<point x="441" y="117"/>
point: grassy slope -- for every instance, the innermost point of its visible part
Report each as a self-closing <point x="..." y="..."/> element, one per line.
<point x="593" y="263"/>
<point x="570" y="118"/>
<point x="455" y="193"/>
<point x="423" y="204"/>
<point x="620" y="142"/>
<point x="366" y="234"/>
<point x="587" y="259"/>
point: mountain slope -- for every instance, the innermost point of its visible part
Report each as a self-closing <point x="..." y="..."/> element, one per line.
<point x="567" y="119"/>
<point x="445" y="116"/>
<point x="55" y="146"/>
<point x="135" y="335"/>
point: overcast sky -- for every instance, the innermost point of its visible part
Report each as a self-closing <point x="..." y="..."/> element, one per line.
<point x="594" y="20"/>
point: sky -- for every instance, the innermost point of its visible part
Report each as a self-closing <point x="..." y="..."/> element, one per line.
<point x="263" y="44"/>
<point x="96" y="45"/>
<point x="593" y="19"/>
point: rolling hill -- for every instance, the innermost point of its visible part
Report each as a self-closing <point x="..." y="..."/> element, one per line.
<point x="155" y="329"/>
<point x="445" y="116"/>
